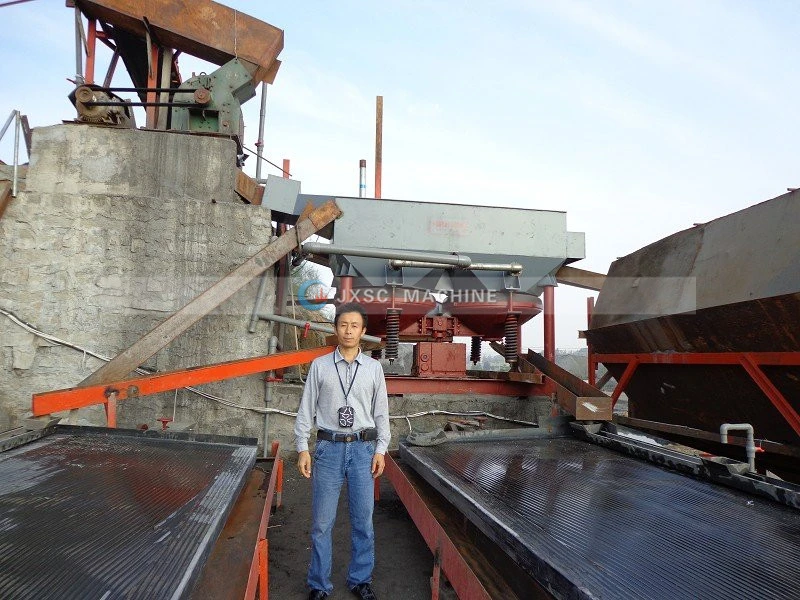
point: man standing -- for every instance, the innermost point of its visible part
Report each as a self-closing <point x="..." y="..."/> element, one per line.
<point x="346" y="393"/>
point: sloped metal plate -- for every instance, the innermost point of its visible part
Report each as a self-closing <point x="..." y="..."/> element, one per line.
<point x="103" y="514"/>
<point x="587" y="522"/>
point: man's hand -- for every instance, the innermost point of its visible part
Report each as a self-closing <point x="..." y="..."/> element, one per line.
<point x="304" y="464"/>
<point x="378" y="463"/>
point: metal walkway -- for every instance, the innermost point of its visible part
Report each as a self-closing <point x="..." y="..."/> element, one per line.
<point x="587" y="522"/>
<point x="103" y="514"/>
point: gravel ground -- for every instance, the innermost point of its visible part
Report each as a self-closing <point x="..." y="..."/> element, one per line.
<point x="403" y="563"/>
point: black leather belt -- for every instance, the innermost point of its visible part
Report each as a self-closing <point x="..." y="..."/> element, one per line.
<point x="363" y="435"/>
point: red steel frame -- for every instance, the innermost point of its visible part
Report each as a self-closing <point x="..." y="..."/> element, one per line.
<point x="749" y="361"/>
<point x="549" y="323"/>
<point x="447" y="557"/>
<point x="91" y="43"/>
<point x="109" y="394"/>
<point x="258" y="580"/>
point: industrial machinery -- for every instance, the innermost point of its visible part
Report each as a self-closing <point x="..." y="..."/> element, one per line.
<point x="215" y="102"/>
<point x="700" y="329"/>
<point x="94" y="105"/>
<point x="149" y="41"/>
<point x="107" y="513"/>
<point x="598" y="511"/>
<point x="431" y="272"/>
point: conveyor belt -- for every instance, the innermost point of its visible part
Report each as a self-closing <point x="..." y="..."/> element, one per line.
<point x="90" y="515"/>
<point x="587" y="522"/>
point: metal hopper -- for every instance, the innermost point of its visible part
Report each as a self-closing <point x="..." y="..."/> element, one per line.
<point x="703" y="327"/>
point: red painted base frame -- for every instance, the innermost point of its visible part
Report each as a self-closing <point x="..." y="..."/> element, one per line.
<point x="751" y="362"/>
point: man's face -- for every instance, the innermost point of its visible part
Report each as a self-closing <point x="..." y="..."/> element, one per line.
<point x="350" y="329"/>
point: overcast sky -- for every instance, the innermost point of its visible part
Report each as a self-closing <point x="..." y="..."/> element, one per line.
<point x="636" y="117"/>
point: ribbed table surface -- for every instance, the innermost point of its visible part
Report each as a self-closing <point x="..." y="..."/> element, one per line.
<point x="590" y="523"/>
<point x="103" y="516"/>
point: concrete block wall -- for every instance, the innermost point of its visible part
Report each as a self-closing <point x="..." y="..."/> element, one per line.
<point x="286" y="397"/>
<point x="100" y="269"/>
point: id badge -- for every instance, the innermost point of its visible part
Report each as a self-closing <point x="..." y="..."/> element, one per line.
<point x="346" y="416"/>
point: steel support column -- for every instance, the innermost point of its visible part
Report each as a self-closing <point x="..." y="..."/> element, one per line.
<point x="91" y="46"/>
<point x="592" y="365"/>
<point x="549" y="323"/>
<point x="152" y="82"/>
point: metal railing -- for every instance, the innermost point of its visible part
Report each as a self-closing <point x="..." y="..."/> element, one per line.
<point x="15" y="115"/>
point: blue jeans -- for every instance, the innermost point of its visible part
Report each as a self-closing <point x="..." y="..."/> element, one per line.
<point x="333" y="463"/>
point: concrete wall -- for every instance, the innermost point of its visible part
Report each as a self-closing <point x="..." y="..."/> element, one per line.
<point x="99" y="270"/>
<point x="287" y="397"/>
<point x="84" y="160"/>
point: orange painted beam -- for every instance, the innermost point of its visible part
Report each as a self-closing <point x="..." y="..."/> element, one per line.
<point x="77" y="397"/>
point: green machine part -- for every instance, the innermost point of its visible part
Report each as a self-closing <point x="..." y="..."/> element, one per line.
<point x="216" y="102"/>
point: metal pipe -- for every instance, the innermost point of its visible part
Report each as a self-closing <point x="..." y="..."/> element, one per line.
<point x="282" y="291"/>
<point x="112" y="67"/>
<point x="549" y="323"/>
<point x="378" y="145"/>
<point x="268" y="383"/>
<point x="590" y="363"/>
<point x="262" y="291"/>
<point x="507" y="267"/>
<point x="8" y="122"/>
<point x="261" y="116"/>
<point x="78" y="48"/>
<point x="362" y="178"/>
<point x="16" y="155"/>
<point x="321" y="327"/>
<point x="458" y="260"/>
<point x="750" y="446"/>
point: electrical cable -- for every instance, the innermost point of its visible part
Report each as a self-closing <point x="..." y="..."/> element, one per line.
<point x="266" y="160"/>
<point x="229" y="403"/>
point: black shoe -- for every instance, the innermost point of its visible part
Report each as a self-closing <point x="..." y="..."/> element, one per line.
<point x="364" y="591"/>
<point x="317" y="595"/>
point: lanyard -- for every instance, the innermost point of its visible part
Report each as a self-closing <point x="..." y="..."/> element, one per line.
<point x="341" y="383"/>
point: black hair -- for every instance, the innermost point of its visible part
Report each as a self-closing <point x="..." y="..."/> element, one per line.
<point x="350" y="307"/>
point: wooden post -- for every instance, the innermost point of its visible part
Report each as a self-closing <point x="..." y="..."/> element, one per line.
<point x="168" y="330"/>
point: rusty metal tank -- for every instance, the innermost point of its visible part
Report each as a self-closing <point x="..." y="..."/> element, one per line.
<point x="729" y="285"/>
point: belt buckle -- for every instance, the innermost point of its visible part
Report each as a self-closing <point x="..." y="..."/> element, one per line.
<point x="348" y="438"/>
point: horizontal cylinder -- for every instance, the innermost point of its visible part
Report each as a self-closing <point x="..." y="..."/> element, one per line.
<point x="416" y="264"/>
<point x="321" y="327"/>
<point x="458" y="260"/>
